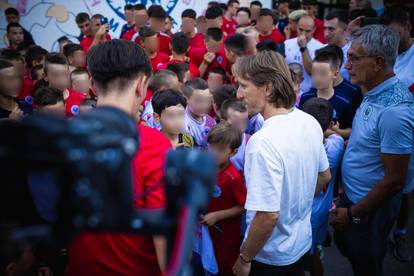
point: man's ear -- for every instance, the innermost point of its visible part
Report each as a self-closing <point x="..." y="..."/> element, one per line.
<point x="142" y="86"/>
<point x="233" y="152"/>
<point x="156" y="117"/>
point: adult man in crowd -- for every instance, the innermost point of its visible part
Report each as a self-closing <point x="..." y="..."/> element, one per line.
<point x="334" y="31"/>
<point x="120" y="71"/>
<point x="284" y="161"/>
<point x="129" y="18"/>
<point x="375" y="163"/>
<point x="302" y="49"/>
<point x="13" y="16"/>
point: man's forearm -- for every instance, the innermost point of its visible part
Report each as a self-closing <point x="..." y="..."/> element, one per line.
<point x="160" y="244"/>
<point x="344" y="133"/>
<point x="203" y="67"/>
<point x="261" y="229"/>
<point x="307" y="61"/>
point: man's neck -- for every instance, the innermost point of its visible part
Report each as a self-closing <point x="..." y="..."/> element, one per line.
<point x="342" y="42"/>
<point x="224" y="165"/>
<point x="271" y="111"/>
<point x="406" y="46"/>
<point x="7" y="102"/>
<point x="228" y="16"/>
<point x="151" y="55"/>
<point x="339" y="79"/>
<point x="266" y="33"/>
<point x="178" y="57"/>
<point x="326" y="93"/>
<point x="378" y="79"/>
<point x="118" y="100"/>
<point x="191" y="34"/>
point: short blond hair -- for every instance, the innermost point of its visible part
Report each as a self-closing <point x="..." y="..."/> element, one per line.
<point x="297" y="15"/>
<point x="268" y="68"/>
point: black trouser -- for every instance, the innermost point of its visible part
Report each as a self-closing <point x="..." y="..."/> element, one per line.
<point x="295" y="269"/>
<point x="365" y="244"/>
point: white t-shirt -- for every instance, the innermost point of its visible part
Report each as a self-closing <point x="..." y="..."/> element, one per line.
<point x="148" y="116"/>
<point x="293" y="54"/>
<point x="404" y="66"/>
<point x="282" y="163"/>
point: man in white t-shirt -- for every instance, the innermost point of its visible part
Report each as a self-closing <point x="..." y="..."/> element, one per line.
<point x="285" y="165"/>
<point x="302" y="49"/>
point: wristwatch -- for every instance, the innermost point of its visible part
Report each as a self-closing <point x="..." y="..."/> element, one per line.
<point x="303" y="49"/>
<point x="243" y="259"/>
<point x="354" y="220"/>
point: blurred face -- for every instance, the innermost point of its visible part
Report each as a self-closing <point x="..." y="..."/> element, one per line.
<point x="95" y="24"/>
<point x="242" y="18"/>
<point x="58" y="76"/>
<point x="214" y="23"/>
<point x="212" y="45"/>
<point x="404" y="32"/>
<point x="252" y="40"/>
<point x="151" y="44"/>
<point x="306" y="27"/>
<point x="188" y="24"/>
<point x="232" y="9"/>
<point x="10" y="82"/>
<point x="15" y="35"/>
<point x="168" y="25"/>
<point x="81" y="83"/>
<point x="141" y="18"/>
<point x="253" y="96"/>
<point x="78" y="59"/>
<point x="57" y="109"/>
<point x="200" y="102"/>
<point x="334" y="31"/>
<point x="311" y="9"/>
<point x="201" y="27"/>
<point x="157" y="24"/>
<point x="221" y="152"/>
<point x="293" y="26"/>
<point x="265" y="24"/>
<point x="129" y="16"/>
<point x="214" y="81"/>
<point x="283" y="8"/>
<point x="255" y="10"/>
<point x="361" y="67"/>
<point x="85" y="28"/>
<point x="323" y="75"/>
<point x="172" y="119"/>
<point x="238" y="119"/>
<point x="12" y="18"/>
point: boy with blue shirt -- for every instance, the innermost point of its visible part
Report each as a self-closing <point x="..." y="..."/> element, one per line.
<point x="322" y="111"/>
<point x="325" y="69"/>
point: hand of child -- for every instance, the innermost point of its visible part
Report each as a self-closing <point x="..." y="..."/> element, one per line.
<point x="209" y="57"/>
<point x="210" y="219"/>
<point x="16" y="114"/>
<point x="335" y="127"/>
<point x="101" y="33"/>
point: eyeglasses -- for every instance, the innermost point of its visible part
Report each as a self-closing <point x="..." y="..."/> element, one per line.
<point x="354" y="58"/>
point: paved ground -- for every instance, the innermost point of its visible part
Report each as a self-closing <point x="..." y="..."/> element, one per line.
<point x="335" y="264"/>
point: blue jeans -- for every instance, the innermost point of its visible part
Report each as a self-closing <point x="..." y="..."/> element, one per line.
<point x="365" y="244"/>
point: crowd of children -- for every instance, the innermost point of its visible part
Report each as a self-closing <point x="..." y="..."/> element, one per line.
<point x="194" y="97"/>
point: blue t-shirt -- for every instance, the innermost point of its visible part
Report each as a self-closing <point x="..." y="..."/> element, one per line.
<point x="342" y="107"/>
<point x="381" y="126"/>
<point x="351" y="92"/>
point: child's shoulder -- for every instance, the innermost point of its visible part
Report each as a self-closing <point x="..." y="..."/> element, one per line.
<point x="334" y="144"/>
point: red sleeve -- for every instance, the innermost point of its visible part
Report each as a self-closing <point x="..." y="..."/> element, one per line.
<point x="196" y="56"/>
<point x="239" y="190"/>
<point x="277" y="36"/>
<point x="165" y="44"/>
<point x="85" y="43"/>
<point x="148" y="169"/>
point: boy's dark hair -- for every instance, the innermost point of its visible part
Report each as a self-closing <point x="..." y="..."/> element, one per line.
<point x="47" y="96"/>
<point x="321" y="110"/>
<point x="244" y="9"/>
<point x="267" y="45"/>
<point x="54" y="58"/>
<point x="117" y="60"/>
<point x="165" y="98"/>
<point x="225" y="92"/>
<point x="256" y="3"/>
<point x="10" y="54"/>
<point x="139" y="7"/>
<point x="78" y="71"/>
<point x="62" y="39"/>
<point x="395" y="15"/>
<point x="179" y="68"/>
<point x="231" y="2"/>
<point x="11" y="11"/>
<point x="82" y="17"/>
<point x="97" y="16"/>
<point x="24" y="46"/>
<point x="234" y="104"/>
<point x="128" y="7"/>
<point x="367" y="12"/>
<point x="161" y="79"/>
<point x="342" y="16"/>
<point x="33" y="74"/>
<point x="180" y="43"/>
<point x="336" y="50"/>
<point x="146" y="32"/>
<point x="225" y="134"/>
<point x="5" y="64"/>
<point x="71" y="48"/>
<point x="213" y="12"/>
<point x="214" y="33"/>
<point x="34" y="53"/>
<point x="219" y="71"/>
<point x="329" y="55"/>
<point x="236" y="43"/>
<point x="269" y="12"/>
<point x="194" y="84"/>
<point x="213" y="4"/>
<point x="190" y="13"/>
<point x="13" y="25"/>
<point x="157" y="11"/>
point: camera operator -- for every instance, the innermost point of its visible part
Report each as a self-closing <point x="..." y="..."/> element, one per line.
<point x="120" y="71"/>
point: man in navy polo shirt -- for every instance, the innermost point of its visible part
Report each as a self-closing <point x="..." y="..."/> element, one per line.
<point x="376" y="160"/>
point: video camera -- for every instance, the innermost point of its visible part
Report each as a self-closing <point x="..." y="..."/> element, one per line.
<point x="61" y="177"/>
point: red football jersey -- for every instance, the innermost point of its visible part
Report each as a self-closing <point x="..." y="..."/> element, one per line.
<point x="197" y="57"/>
<point x="194" y="71"/>
<point x="72" y="103"/>
<point x="158" y="60"/>
<point x="126" y="254"/>
<point x="229" y="191"/>
<point x="132" y="35"/>
<point x="26" y="94"/>
<point x="228" y="26"/>
<point x="197" y="41"/>
<point x="275" y="35"/>
<point x="165" y="41"/>
<point x="319" y="35"/>
<point x="87" y="41"/>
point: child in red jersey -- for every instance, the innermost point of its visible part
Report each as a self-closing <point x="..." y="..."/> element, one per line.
<point x="229" y="21"/>
<point x="188" y="24"/>
<point x="157" y="16"/>
<point x="150" y="43"/>
<point x="98" y="33"/>
<point x="267" y="27"/>
<point x="140" y="21"/>
<point x="226" y="207"/>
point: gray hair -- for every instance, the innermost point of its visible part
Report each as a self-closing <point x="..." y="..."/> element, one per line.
<point x="378" y="40"/>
